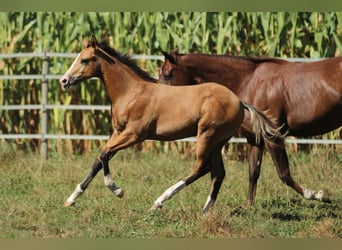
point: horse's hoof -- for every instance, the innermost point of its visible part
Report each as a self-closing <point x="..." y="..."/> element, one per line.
<point x="322" y="196"/>
<point x="119" y="192"/>
<point x="156" y="206"/>
<point x="69" y="203"/>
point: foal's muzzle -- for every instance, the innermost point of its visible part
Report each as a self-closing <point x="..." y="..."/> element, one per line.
<point x="66" y="81"/>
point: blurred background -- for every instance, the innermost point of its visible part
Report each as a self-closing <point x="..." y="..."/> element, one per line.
<point x="308" y="35"/>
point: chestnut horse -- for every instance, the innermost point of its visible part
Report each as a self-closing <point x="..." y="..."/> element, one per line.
<point x="304" y="97"/>
<point x="141" y="110"/>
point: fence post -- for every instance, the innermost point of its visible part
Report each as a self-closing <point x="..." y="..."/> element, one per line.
<point x="44" y="115"/>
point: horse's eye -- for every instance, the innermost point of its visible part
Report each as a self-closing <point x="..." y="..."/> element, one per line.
<point x="85" y="61"/>
<point x="168" y="76"/>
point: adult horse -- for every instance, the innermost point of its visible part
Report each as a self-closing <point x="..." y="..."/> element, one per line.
<point x="306" y="98"/>
<point x="141" y="110"/>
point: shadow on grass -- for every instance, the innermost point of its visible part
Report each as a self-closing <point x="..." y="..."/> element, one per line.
<point x="286" y="216"/>
<point x="300" y="209"/>
<point x="291" y="210"/>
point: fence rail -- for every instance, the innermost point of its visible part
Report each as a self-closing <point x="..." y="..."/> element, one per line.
<point x="44" y="106"/>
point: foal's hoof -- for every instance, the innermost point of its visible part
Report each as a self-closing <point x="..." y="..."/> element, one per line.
<point x="156" y="206"/>
<point x="119" y="192"/>
<point x="69" y="203"/>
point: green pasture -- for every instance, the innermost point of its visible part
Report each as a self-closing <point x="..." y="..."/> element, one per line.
<point x="33" y="193"/>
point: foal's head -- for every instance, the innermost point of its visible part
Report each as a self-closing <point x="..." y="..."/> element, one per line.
<point x="86" y="64"/>
<point x="172" y="72"/>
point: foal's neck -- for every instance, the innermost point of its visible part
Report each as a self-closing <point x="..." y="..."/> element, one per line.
<point x="119" y="80"/>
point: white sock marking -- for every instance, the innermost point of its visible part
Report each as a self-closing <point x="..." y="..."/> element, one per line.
<point x="171" y="191"/>
<point x="111" y="185"/>
<point x="312" y="195"/>
<point x="78" y="191"/>
<point x="209" y="203"/>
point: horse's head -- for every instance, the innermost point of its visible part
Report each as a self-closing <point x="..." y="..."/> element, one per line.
<point x="172" y="71"/>
<point x="84" y="66"/>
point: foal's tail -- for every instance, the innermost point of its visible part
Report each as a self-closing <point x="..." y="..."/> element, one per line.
<point x="264" y="128"/>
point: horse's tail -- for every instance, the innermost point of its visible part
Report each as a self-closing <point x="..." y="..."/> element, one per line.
<point x="264" y="128"/>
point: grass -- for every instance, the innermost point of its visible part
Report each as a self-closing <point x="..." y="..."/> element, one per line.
<point x="33" y="193"/>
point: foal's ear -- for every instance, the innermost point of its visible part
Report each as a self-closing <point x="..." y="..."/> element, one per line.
<point x="93" y="42"/>
<point x="84" y="41"/>
<point x="169" y="57"/>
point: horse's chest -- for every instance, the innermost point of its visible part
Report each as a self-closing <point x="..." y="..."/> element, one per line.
<point x="119" y="120"/>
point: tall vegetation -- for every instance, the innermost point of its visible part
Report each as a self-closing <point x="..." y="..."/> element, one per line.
<point x="282" y="34"/>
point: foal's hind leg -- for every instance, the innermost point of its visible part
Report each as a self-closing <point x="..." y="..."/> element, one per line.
<point x="217" y="175"/>
<point x="281" y="161"/>
<point x="200" y="169"/>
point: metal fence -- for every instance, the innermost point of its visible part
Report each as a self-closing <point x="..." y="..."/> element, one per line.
<point x="44" y="106"/>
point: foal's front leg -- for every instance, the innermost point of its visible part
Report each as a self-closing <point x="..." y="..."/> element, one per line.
<point x="123" y="140"/>
<point x="115" y="143"/>
<point x="105" y="157"/>
<point x="81" y="187"/>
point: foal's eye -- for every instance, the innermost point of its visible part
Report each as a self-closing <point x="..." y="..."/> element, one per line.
<point x="85" y="61"/>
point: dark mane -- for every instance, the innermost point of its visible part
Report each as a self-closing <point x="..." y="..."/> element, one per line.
<point x="127" y="60"/>
<point x="255" y="60"/>
<point x="262" y="59"/>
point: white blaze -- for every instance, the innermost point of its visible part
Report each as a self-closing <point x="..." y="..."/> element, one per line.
<point x="72" y="65"/>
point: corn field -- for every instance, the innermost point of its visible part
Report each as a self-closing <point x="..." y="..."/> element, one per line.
<point x="279" y="34"/>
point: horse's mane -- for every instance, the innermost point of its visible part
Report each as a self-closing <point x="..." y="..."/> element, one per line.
<point x="255" y="60"/>
<point x="260" y="59"/>
<point x="128" y="61"/>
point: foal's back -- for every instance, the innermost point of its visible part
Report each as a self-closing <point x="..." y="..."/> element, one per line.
<point x="184" y="110"/>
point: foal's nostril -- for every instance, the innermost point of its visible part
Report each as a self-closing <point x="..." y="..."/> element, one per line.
<point x="63" y="80"/>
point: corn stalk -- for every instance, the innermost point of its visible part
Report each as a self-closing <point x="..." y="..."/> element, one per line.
<point x="283" y="34"/>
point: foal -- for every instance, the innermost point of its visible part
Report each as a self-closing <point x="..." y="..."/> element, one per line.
<point x="141" y="110"/>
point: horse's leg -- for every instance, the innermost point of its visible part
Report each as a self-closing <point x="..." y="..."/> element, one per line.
<point x="81" y="187"/>
<point x="200" y="169"/>
<point x="115" y="143"/>
<point x="104" y="157"/>
<point x="123" y="140"/>
<point x="217" y="175"/>
<point x="255" y="154"/>
<point x="282" y="164"/>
